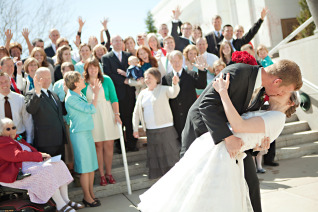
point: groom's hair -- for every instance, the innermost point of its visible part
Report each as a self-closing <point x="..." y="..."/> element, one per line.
<point x="288" y="71"/>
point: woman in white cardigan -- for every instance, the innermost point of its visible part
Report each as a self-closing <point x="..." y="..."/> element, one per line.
<point x="153" y="111"/>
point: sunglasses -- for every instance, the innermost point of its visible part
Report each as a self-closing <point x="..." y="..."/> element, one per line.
<point x="12" y="128"/>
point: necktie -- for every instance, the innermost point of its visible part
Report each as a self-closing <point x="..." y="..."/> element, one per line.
<point x="51" y="98"/>
<point x="119" y="56"/>
<point x="218" y="34"/>
<point x="7" y="108"/>
<point x="15" y="86"/>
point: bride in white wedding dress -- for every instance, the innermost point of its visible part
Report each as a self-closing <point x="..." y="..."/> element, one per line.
<point x="207" y="179"/>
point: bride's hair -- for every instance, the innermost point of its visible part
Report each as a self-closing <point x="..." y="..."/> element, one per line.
<point x="294" y="97"/>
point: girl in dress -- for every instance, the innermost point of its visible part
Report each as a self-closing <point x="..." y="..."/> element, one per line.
<point x="105" y="119"/>
<point x="207" y="178"/>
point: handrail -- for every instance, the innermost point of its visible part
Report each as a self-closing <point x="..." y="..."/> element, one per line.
<point x="311" y="85"/>
<point x="291" y="35"/>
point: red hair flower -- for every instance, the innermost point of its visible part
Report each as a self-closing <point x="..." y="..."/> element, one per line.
<point x="243" y="57"/>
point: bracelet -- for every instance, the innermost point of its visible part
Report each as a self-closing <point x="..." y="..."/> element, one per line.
<point x="117" y="113"/>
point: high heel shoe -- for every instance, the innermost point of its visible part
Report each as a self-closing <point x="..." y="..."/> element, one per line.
<point x="103" y="181"/>
<point x="110" y="179"/>
<point x="93" y="204"/>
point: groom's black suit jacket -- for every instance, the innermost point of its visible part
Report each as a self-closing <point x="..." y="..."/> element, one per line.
<point x="207" y="112"/>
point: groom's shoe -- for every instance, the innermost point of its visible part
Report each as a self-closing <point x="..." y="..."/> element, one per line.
<point x="271" y="163"/>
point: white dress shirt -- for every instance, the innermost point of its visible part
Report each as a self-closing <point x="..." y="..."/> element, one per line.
<point x="179" y="73"/>
<point x="21" y="118"/>
<point x="117" y="54"/>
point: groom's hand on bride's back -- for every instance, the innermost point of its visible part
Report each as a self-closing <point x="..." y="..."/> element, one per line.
<point x="233" y="145"/>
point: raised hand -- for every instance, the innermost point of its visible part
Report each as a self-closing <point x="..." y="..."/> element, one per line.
<point x="220" y="84"/>
<point x="92" y="41"/>
<point x="176" y="13"/>
<point x="200" y="62"/>
<point x="96" y="86"/>
<point x="264" y="12"/>
<point x="77" y="41"/>
<point x="233" y="145"/>
<point x="8" y="34"/>
<point x="80" y="23"/>
<point x="104" y="22"/>
<point x="175" y="79"/>
<point x="37" y="84"/>
<point x="19" y="67"/>
<point x="25" y="33"/>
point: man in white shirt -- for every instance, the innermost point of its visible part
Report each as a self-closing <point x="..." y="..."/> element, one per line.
<point x="16" y="109"/>
<point x="210" y="58"/>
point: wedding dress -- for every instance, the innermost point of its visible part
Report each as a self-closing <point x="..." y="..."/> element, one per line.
<point x="207" y="179"/>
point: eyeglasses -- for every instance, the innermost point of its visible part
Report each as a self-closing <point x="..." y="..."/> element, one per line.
<point x="12" y="128"/>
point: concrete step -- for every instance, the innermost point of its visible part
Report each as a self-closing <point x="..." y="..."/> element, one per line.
<point x="142" y="142"/>
<point x="296" y="126"/>
<point x="292" y="118"/>
<point x="296" y="138"/>
<point x="296" y="151"/>
<point x="137" y="182"/>
<point x="140" y="155"/>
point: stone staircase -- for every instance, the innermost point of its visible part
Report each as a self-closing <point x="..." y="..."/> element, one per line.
<point x="137" y="171"/>
<point x="296" y="140"/>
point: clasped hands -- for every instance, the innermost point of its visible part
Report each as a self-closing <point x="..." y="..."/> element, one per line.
<point x="233" y="145"/>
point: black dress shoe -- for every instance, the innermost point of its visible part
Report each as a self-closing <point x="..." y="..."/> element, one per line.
<point x="133" y="149"/>
<point x="271" y="164"/>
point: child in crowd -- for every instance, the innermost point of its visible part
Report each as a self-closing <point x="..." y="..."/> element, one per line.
<point x="262" y="52"/>
<point x="135" y="74"/>
<point x="218" y="66"/>
<point x="249" y="49"/>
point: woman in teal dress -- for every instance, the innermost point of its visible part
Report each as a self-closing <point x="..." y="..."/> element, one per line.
<point x="81" y="125"/>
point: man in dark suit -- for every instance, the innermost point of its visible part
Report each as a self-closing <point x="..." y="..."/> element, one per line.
<point x="207" y="113"/>
<point x="238" y="43"/>
<point x="216" y="36"/>
<point x="186" y="30"/>
<point x="50" y="50"/>
<point x="47" y="114"/>
<point x="189" y="81"/>
<point x="112" y="61"/>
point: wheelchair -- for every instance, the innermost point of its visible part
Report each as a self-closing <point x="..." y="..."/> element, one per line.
<point x="12" y="199"/>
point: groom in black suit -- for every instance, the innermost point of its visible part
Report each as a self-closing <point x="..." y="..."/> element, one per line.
<point x="112" y="61"/>
<point x="247" y="86"/>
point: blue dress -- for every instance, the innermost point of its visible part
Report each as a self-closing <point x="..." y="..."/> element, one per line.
<point x="81" y="125"/>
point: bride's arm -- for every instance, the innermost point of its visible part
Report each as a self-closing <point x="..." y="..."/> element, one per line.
<point x="239" y="125"/>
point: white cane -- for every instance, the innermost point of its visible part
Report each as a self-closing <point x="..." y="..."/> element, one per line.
<point x="123" y="151"/>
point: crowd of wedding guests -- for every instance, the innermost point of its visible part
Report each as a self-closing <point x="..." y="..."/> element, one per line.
<point x="69" y="100"/>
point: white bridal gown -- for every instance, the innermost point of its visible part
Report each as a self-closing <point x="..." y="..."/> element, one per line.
<point x="206" y="179"/>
